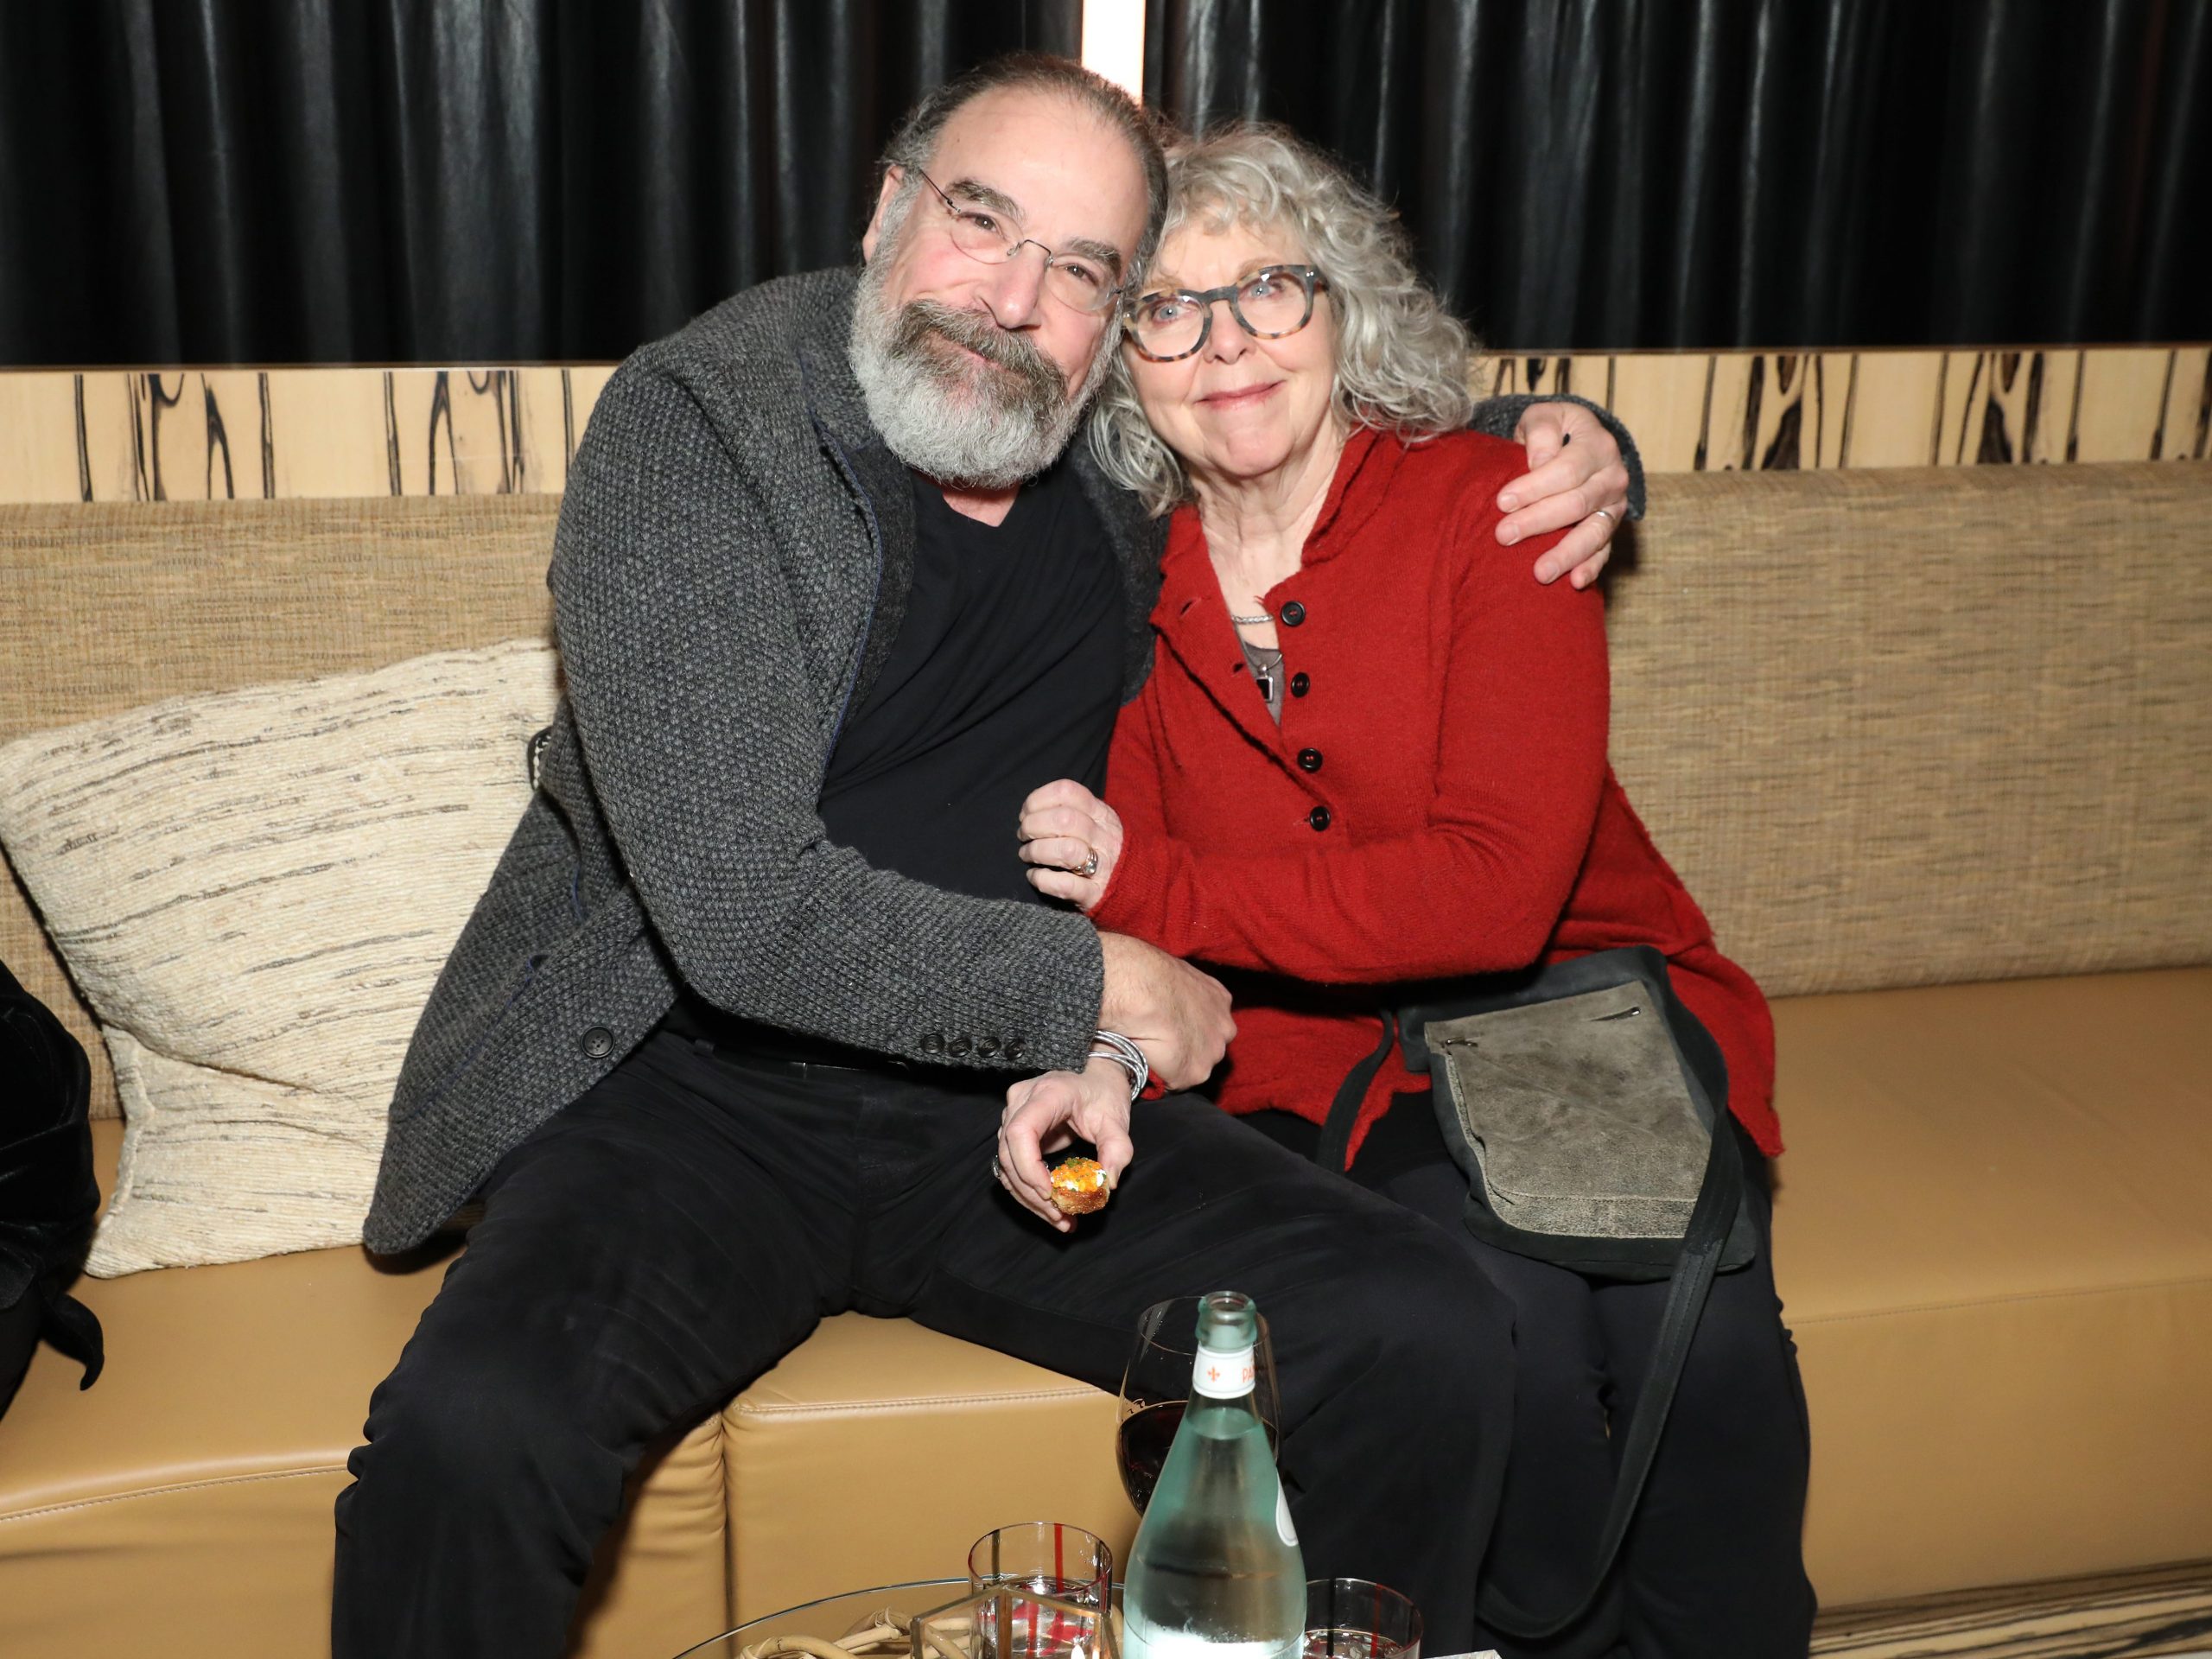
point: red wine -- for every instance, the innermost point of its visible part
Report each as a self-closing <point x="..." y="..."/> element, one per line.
<point x="1141" y="1447"/>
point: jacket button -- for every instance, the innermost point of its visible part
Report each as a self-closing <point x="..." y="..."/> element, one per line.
<point x="1309" y="759"/>
<point x="1318" y="817"/>
<point x="1292" y="615"/>
<point x="934" y="1043"/>
<point x="986" y="1048"/>
<point x="1016" y="1047"/>
<point x="597" y="1043"/>
<point x="958" y="1047"/>
<point x="1299" y="685"/>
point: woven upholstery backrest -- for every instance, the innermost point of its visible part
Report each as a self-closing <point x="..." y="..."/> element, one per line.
<point x="1893" y="726"/>
<point x="1901" y="727"/>
<point x="104" y="607"/>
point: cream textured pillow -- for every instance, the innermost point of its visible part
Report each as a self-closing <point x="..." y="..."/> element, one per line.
<point x="254" y="891"/>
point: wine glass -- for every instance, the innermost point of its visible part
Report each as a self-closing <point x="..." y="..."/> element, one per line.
<point x="1156" y="1389"/>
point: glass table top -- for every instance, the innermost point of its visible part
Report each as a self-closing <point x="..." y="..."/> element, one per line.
<point x="876" y="1618"/>
<point x="833" y="1617"/>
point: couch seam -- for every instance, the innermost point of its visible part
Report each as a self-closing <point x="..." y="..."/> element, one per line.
<point x="915" y="1402"/>
<point x="165" y="1491"/>
<point x="1801" y="1322"/>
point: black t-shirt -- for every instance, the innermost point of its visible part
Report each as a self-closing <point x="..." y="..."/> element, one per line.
<point x="1005" y="674"/>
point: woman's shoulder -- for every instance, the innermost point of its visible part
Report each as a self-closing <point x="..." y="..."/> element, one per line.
<point x="1467" y="458"/>
<point x="1451" y="482"/>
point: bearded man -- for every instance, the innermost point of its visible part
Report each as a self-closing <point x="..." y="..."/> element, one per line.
<point x="724" y="1046"/>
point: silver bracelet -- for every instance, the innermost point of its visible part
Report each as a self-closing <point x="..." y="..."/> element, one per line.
<point x="1112" y="1045"/>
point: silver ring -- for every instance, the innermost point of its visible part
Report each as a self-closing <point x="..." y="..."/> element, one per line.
<point x="1090" y="866"/>
<point x="997" y="1174"/>
<point x="1606" y="514"/>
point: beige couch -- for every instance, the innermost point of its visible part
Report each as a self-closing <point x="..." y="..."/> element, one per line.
<point x="1935" y="748"/>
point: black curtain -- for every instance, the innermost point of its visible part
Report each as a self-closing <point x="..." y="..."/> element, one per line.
<point x="442" y="180"/>
<point x="1595" y="173"/>
<point x="448" y="181"/>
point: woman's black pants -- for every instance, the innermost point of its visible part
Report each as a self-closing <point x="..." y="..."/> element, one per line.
<point x="1712" y="1566"/>
<point x="661" y="1242"/>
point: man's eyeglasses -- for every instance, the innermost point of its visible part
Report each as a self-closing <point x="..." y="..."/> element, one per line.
<point x="1077" y="281"/>
<point x="1267" y="305"/>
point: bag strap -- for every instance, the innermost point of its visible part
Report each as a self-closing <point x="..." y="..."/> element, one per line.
<point x="1344" y="1111"/>
<point x="1710" y="1219"/>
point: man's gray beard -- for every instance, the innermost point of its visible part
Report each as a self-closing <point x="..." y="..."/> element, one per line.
<point x="986" y="425"/>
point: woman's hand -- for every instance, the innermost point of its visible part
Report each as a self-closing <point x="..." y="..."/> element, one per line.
<point x="1575" y="477"/>
<point x="1072" y="840"/>
<point x="1044" y="1113"/>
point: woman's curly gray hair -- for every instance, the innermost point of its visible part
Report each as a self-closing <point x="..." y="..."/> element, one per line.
<point x="1402" y="359"/>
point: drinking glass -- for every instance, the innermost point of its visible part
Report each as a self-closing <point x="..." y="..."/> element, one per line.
<point x="1046" y="1569"/>
<point x="1156" y="1389"/>
<point x="1009" y="1622"/>
<point x="1353" y="1618"/>
<point x="1050" y="1557"/>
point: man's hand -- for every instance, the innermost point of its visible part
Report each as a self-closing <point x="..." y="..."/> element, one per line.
<point x="1072" y="840"/>
<point x="1044" y="1113"/>
<point x="1575" y="477"/>
<point x="1176" y="1015"/>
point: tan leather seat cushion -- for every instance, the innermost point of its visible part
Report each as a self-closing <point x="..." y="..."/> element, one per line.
<point x="882" y="1451"/>
<point x="1994" y="1240"/>
<point x="2006" y="1338"/>
<point x="182" y="1506"/>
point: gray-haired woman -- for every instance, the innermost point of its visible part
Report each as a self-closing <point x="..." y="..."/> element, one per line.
<point x="1372" y="751"/>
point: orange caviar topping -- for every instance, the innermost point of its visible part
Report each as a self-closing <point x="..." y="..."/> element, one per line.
<point x="1079" y="1186"/>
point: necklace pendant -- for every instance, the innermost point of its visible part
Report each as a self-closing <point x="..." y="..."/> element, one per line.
<point x="1266" y="682"/>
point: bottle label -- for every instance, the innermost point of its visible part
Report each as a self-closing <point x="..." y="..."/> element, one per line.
<point x="1221" y="1373"/>
<point x="1284" y="1531"/>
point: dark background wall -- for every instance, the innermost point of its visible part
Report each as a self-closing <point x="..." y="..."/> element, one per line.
<point x="446" y="181"/>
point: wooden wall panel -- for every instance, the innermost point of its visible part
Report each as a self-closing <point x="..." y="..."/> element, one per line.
<point x="2122" y="407"/>
<point x="348" y="406"/>
<point x="2187" y="434"/>
<point x="110" y="438"/>
<point x="194" y="434"/>
<point x="1894" y="402"/>
<point x="1650" y="393"/>
<point x="38" y="439"/>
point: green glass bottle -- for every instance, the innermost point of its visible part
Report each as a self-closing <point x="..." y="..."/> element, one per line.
<point x="1215" y="1573"/>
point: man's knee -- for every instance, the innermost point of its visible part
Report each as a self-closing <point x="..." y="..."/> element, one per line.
<point x="484" y="1419"/>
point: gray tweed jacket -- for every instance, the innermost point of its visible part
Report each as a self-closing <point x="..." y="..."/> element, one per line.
<point x="731" y="567"/>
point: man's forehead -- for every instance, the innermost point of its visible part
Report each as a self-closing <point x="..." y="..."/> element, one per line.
<point x="989" y="152"/>
<point x="978" y="193"/>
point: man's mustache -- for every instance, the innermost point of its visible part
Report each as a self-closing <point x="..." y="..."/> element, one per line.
<point x="921" y="318"/>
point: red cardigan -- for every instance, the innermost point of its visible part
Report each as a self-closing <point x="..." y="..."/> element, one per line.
<point x="1436" y="802"/>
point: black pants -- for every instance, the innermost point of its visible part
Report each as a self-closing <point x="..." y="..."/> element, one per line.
<point x="666" y="1238"/>
<point x="1712" y="1566"/>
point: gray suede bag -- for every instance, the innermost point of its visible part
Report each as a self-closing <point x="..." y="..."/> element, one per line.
<point x="1587" y="1108"/>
